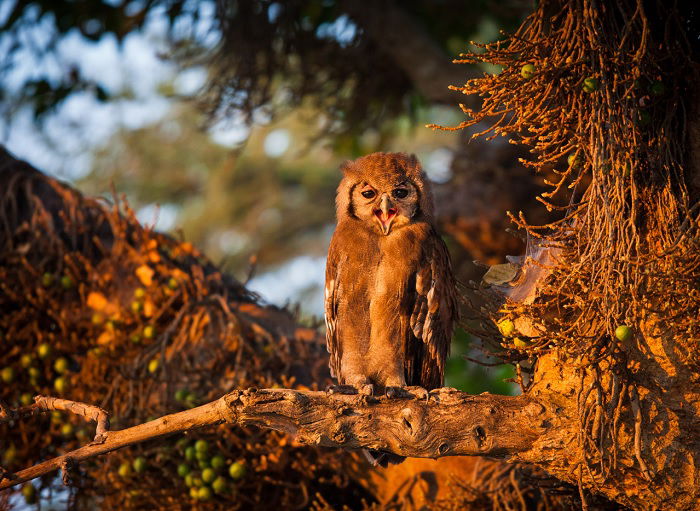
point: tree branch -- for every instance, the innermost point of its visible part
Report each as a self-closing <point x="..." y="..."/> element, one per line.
<point x="447" y="423"/>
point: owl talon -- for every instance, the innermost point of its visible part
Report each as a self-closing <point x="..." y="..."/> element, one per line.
<point x="396" y="392"/>
<point x="349" y="390"/>
<point x="419" y="392"/>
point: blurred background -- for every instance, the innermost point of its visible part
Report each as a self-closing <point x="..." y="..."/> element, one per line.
<point x="224" y="123"/>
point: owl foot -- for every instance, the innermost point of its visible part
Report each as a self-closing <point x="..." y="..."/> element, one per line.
<point x="351" y="390"/>
<point x="419" y="392"/>
<point x="398" y="392"/>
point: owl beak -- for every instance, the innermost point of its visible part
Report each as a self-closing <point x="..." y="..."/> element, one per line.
<point x="385" y="214"/>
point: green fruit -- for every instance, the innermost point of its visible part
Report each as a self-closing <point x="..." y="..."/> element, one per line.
<point x="10" y="454"/>
<point x="139" y="465"/>
<point x="136" y="306"/>
<point x="203" y="464"/>
<point x="29" y="493"/>
<point x="173" y="283"/>
<point x="7" y="374"/>
<point x="153" y="365"/>
<point x="97" y="319"/>
<point x="67" y="282"/>
<point x="520" y="343"/>
<point x="237" y="470"/>
<point x="201" y="446"/>
<point x="67" y="429"/>
<point x="198" y="482"/>
<point x="657" y="88"/>
<point x="44" y="350"/>
<point x="124" y="470"/>
<point x="527" y="71"/>
<point x="26" y="360"/>
<point x="190" y="453"/>
<point x="189" y="480"/>
<point x="590" y="84"/>
<point x="34" y="372"/>
<point x="139" y="293"/>
<point x="181" y="395"/>
<point x="135" y="338"/>
<point x="183" y="469"/>
<point x="575" y="160"/>
<point x="208" y="475"/>
<point x="194" y="492"/>
<point x="204" y="493"/>
<point x="202" y="456"/>
<point x="506" y="327"/>
<point x="149" y="331"/>
<point x="26" y="399"/>
<point x="218" y="462"/>
<point x="56" y="417"/>
<point x="61" y="365"/>
<point x="623" y="333"/>
<point x="219" y="485"/>
<point x="46" y="279"/>
<point x="60" y="384"/>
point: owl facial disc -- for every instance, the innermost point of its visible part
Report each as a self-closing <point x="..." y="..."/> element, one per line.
<point x="385" y="214"/>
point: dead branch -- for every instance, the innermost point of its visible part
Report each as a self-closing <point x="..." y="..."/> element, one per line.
<point x="447" y="423"/>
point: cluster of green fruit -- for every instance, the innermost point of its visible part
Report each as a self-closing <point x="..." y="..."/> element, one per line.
<point x="33" y="368"/>
<point x="65" y="281"/>
<point x="204" y="472"/>
<point x="508" y="330"/>
<point x="590" y="83"/>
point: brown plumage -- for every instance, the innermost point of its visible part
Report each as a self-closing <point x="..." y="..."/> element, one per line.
<point x="390" y="297"/>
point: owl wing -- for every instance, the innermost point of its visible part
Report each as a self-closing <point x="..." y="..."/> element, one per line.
<point x="331" y="310"/>
<point x="434" y="313"/>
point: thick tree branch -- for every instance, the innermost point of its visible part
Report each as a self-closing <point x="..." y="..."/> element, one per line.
<point x="447" y="423"/>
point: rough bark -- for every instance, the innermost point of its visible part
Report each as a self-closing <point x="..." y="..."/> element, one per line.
<point x="541" y="427"/>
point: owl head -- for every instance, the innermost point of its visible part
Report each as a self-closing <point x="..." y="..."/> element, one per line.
<point x="384" y="191"/>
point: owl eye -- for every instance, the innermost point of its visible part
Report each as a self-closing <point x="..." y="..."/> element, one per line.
<point x="399" y="193"/>
<point x="368" y="194"/>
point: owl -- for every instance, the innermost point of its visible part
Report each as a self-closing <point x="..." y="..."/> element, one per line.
<point x="390" y="298"/>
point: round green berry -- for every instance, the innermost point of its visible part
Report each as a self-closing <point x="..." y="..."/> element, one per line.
<point x="204" y="493"/>
<point x="218" y="462"/>
<point x="139" y="465"/>
<point x="527" y="71"/>
<point x="190" y="453"/>
<point x="61" y="365"/>
<point x="623" y="333"/>
<point x="194" y="492"/>
<point x="26" y="360"/>
<point x="219" y="485"/>
<point x="181" y="395"/>
<point x="124" y="470"/>
<point x="67" y="282"/>
<point x="183" y="469"/>
<point x="149" y="331"/>
<point x="506" y="327"/>
<point x="590" y="84"/>
<point x="61" y="384"/>
<point x="139" y="293"/>
<point x="237" y="470"/>
<point x="153" y="365"/>
<point x="47" y="279"/>
<point x="44" y="350"/>
<point x="67" y="429"/>
<point x="26" y="399"/>
<point x="29" y="493"/>
<point x="7" y="374"/>
<point x="201" y="446"/>
<point x="208" y="475"/>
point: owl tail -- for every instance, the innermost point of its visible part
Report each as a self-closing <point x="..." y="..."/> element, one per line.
<point x="381" y="458"/>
